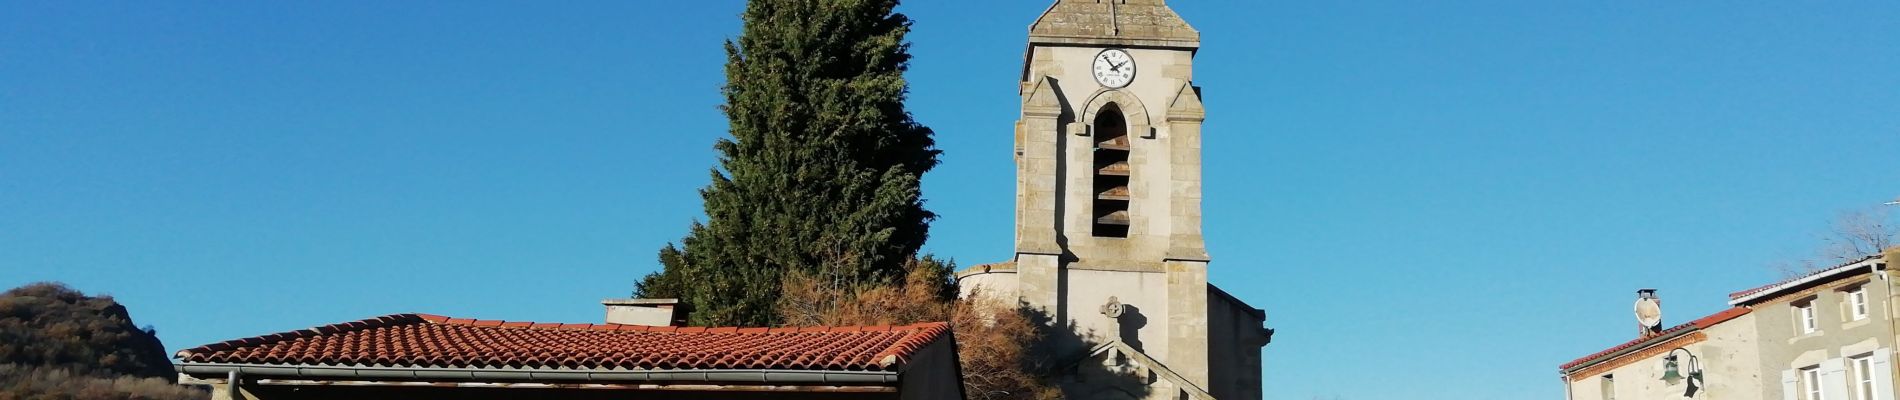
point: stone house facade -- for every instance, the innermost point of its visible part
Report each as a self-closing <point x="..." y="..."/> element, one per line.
<point x="1829" y="335"/>
<point x="1826" y="335"/>
<point x="1722" y="345"/>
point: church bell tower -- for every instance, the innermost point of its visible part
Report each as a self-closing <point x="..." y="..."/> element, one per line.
<point x="1108" y="150"/>
<point x="1108" y="201"/>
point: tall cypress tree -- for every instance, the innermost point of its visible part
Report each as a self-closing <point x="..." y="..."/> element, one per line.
<point x="822" y="172"/>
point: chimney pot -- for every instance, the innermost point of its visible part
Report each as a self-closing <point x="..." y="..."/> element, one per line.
<point x="646" y="312"/>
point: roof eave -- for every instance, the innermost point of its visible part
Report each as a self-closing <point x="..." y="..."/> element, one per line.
<point x="1236" y="301"/>
<point x="1874" y="261"/>
<point x="1646" y="343"/>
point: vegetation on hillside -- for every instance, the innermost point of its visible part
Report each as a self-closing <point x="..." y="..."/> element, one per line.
<point x="58" y="343"/>
<point x="51" y="325"/>
<point x="821" y="175"/>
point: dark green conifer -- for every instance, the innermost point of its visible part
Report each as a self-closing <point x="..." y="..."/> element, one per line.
<point x="822" y="171"/>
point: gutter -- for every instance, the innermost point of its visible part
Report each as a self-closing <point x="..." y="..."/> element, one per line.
<point x="744" y="376"/>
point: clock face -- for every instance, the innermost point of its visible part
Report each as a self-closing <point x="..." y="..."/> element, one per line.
<point x="1114" y="68"/>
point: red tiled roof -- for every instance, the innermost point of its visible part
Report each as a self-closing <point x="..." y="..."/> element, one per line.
<point x="1759" y="289"/>
<point x="421" y="340"/>
<point x="1701" y="323"/>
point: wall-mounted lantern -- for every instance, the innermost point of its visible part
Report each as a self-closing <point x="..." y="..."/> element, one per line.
<point x="1674" y="371"/>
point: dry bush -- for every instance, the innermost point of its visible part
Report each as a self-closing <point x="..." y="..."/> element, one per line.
<point x="31" y="383"/>
<point x="995" y="339"/>
<point x="814" y="299"/>
<point x="995" y="342"/>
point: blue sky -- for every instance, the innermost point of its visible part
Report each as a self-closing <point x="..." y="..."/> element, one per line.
<point x="1446" y="199"/>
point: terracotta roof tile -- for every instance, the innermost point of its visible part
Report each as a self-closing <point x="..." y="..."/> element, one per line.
<point x="420" y="340"/>
<point x="1699" y="323"/>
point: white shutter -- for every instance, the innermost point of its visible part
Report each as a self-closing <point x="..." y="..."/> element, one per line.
<point x="1788" y="389"/>
<point x="1882" y="370"/>
<point x="1834" y="379"/>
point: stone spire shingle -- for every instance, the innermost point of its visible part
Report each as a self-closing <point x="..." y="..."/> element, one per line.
<point x="1113" y="22"/>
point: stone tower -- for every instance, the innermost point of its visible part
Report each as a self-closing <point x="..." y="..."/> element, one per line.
<point x="1108" y="209"/>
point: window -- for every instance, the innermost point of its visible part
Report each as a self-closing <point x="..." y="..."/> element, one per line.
<point x="1609" y="387"/>
<point x="1811" y="383"/>
<point x="1863" y="376"/>
<point x="1857" y="304"/>
<point x="1804" y="316"/>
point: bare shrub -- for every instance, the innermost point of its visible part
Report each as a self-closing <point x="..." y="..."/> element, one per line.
<point x="1857" y="234"/>
<point x="813" y="299"/>
<point x="1854" y="235"/>
<point x="995" y="340"/>
<point x="39" y="383"/>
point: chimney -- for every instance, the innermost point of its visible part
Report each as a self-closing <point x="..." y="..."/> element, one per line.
<point x="648" y="312"/>
<point x="1648" y="313"/>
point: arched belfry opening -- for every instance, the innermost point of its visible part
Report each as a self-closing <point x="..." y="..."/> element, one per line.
<point x="1111" y="172"/>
